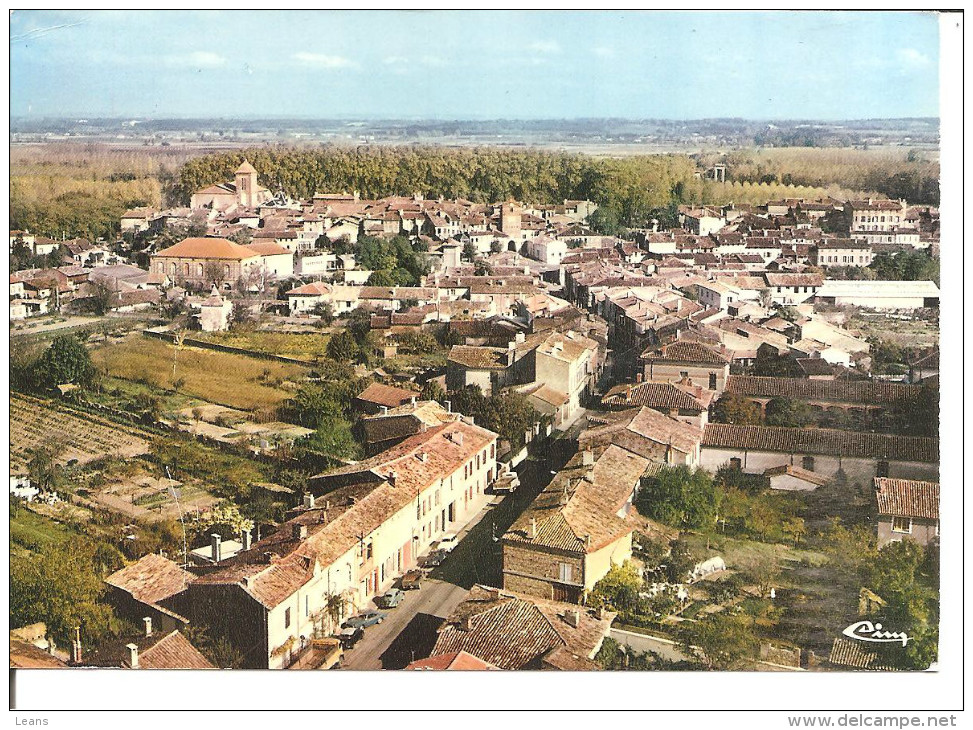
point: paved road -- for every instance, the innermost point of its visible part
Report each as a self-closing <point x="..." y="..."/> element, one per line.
<point x="410" y="629"/>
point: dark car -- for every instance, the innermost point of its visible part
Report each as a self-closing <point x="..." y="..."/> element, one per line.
<point x="391" y="598"/>
<point x="410" y="581"/>
<point x="435" y="558"/>
<point x="368" y="618"/>
<point x="350" y="636"/>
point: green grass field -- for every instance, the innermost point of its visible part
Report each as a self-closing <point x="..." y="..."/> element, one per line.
<point x="303" y="346"/>
<point x="233" y="380"/>
<point x="34" y="532"/>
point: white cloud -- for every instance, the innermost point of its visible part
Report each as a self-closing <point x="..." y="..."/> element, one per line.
<point x="603" y="52"/>
<point x="433" y="61"/>
<point x="911" y="57"/>
<point x="321" y="60"/>
<point x="544" y="47"/>
<point x="197" y="59"/>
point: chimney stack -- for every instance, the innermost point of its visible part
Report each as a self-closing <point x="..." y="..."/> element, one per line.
<point x="573" y="617"/>
<point x="299" y="532"/>
<point x="245" y="539"/>
<point x="76" y="646"/>
<point x="532" y="533"/>
<point x="148" y="625"/>
<point x="587" y="457"/>
<point x="392" y="477"/>
<point x="133" y="655"/>
<point x="638" y="377"/>
<point x="308" y="501"/>
<point x="449" y="406"/>
<point x="217" y="550"/>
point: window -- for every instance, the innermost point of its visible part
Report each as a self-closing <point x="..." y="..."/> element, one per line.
<point x="882" y="469"/>
<point x="287" y="618"/>
<point x="226" y="269"/>
<point x="199" y="270"/>
<point x="902" y="524"/>
<point x="307" y="605"/>
<point x="368" y="551"/>
<point x="683" y="373"/>
<point x="807" y="463"/>
<point x="712" y="381"/>
<point x="565" y="572"/>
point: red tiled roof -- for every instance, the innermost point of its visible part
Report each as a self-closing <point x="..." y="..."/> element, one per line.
<point x="386" y="395"/>
<point x="455" y="661"/>
<point x="208" y="248"/>
<point x="824" y="441"/>
<point x="653" y="395"/>
<point x="687" y="352"/>
<point x="840" y="391"/>
<point x="151" y="579"/>
<point x="174" y="651"/>
<point x="907" y="498"/>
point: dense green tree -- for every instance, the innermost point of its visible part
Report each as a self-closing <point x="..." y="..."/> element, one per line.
<point x="619" y="589"/>
<point x="65" y="361"/>
<point x="432" y="390"/>
<point x="681" y="497"/>
<point x="509" y="414"/>
<point x="63" y="587"/>
<point x="722" y="641"/>
<point x="736" y="409"/>
<point x="342" y="347"/>
<point x="787" y="412"/>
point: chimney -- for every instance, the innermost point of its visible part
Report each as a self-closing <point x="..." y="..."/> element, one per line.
<point x="308" y="501"/>
<point x="449" y="406"/>
<point x="466" y="623"/>
<point x="600" y="613"/>
<point x="76" y="646"/>
<point x="422" y="456"/>
<point x="133" y="655"/>
<point x="299" y="531"/>
<point x="520" y="338"/>
<point x="148" y="625"/>
<point x="392" y="477"/>
<point x="245" y="539"/>
<point x="412" y="400"/>
<point x="458" y="438"/>
<point x="217" y="551"/>
<point x="573" y="617"/>
<point x="638" y="377"/>
<point x="383" y="410"/>
<point x="587" y="457"/>
<point x="628" y="394"/>
<point x="532" y="532"/>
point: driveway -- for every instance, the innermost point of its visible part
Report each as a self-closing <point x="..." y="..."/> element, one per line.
<point x="409" y="632"/>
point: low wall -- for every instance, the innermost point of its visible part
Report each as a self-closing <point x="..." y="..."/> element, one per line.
<point x="170" y="337"/>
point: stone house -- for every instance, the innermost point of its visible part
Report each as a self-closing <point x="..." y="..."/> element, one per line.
<point x="906" y="509"/>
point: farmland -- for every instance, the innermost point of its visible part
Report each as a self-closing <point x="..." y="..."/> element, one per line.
<point x="309" y="346"/>
<point x="236" y="381"/>
<point x="36" y="423"/>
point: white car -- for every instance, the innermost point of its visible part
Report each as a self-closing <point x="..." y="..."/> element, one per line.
<point x="447" y="543"/>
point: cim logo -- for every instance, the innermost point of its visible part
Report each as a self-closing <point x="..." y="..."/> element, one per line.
<point x="867" y="631"/>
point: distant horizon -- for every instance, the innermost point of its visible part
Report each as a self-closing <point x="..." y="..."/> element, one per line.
<point x="382" y="118"/>
<point x="475" y="65"/>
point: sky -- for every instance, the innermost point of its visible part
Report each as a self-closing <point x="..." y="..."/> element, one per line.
<point x="473" y="64"/>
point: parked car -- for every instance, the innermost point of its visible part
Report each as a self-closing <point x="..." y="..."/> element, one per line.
<point x="506" y="483"/>
<point x="368" y="618"/>
<point x="410" y="581"/>
<point x="350" y="635"/>
<point x="448" y="543"/>
<point x="391" y="598"/>
<point x="435" y="558"/>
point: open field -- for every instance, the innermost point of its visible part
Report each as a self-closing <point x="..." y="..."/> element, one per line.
<point x="902" y="332"/>
<point x="35" y="422"/>
<point x="33" y="532"/>
<point x="287" y="344"/>
<point x="233" y="380"/>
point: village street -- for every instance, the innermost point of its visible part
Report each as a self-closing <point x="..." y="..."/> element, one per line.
<point x="410" y="630"/>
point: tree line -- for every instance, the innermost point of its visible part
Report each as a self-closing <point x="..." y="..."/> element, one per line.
<point x="633" y="190"/>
